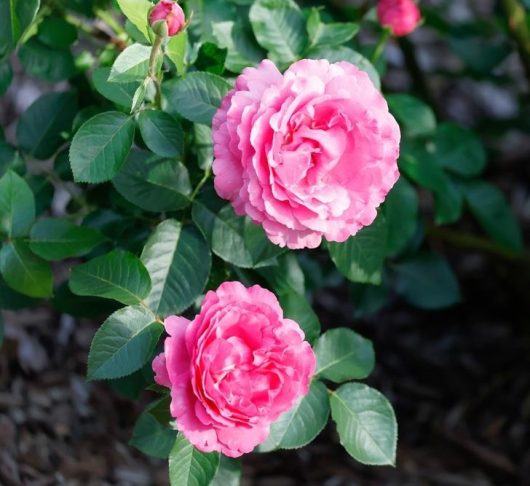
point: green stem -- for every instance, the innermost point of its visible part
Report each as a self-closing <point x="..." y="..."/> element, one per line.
<point x="379" y="48"/>
<point x="153" y="72"/>
<point x="520" y="30"/>
<point x="200" y="185"/>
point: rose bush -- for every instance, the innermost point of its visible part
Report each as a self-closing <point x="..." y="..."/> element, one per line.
<point x="309" y="153"/>
<point x="181" y="148"/>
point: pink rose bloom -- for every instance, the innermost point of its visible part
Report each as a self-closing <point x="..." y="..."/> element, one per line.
<point x="402" y="16"/>
<point x="234" y="369"/>
<point x="308" y="154"/>
<point x="172" y="13"/>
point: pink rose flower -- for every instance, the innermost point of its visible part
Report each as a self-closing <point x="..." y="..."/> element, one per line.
<point x="172" y="13"/>
<point x="234" y="369"/>
<point x="308" y="154"/>
<point x="402" y="16"/>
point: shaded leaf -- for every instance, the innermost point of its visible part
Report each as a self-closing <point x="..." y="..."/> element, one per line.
<point x="179" y="261"/>
<point x="24" y="271"/>
<point x="101" y="146"/>
<point x="123" y="344"/>
<point x="118" y="275"/>
<point x="343" y="355"/>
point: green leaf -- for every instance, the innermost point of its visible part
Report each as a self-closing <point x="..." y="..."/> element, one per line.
<point x="130" y="386"/>
<point x="420" y="165"/>
<point x="190" y="467"/>
<point x="123" y="344"/>
<point x="234" y="239"/>
<point x="401" y="212"/>
<point x="366" y="424"/>
<point x="361" y="257"/>
<point x="137" y="11"/>
<point x="179" y="263"/>
<point x="161" y="133"/>
<point x="17" y="205"/>
<point x="131" y="65"/>
<point x="206" y="13"/>
<point x="57" y="239"/>
<point x="46" y="62"/>
<point x="285" y="277"/>
<point x="459" y="150"/>
<point x="151" y="436"/>
<point x="489" y="206"/>
<point x="57" y="32"/>
<point x="228" y="472"/>
<point x="176" y="50"/>
<point x="369" y="299"/>
<point x="196" y="97"/>
<point x="242" y="48"/>
<point x="118" y="275"/>
<point x="120" y="93"/>
<point x="334" y="34"/>
<point x="25" y="272"/>
<point x="78" y="306"/>
<point x="11" y="300"/>
<point x="288" y="282"/>
<point x="427" y="281"/>
<point x="415" y="117"/>
<point x="16" y="17"/>
<point x="343" y="355"/>
<point x="40" y="128"/>
<point x="302" y="424"/>
<point x="203" y="145"/>
<point x="211" y="58"/>
<point x="297" y="308"/>
<point x="154" y="184"/>
<point x="6" y="76"/>
<point x="341" y="53"/>
<point x="279" y="26"/>
<point x="101" y="146"/>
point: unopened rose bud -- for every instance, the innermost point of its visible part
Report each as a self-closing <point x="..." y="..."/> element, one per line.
<point x="167" y="18"/>
<point x="400" y="16"/>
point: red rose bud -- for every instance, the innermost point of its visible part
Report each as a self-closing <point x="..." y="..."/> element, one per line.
<point x="169" y="13"/>
<point x="401" y="16"/>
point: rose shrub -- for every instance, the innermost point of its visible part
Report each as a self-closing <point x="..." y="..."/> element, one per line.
<point x="177" y="155"/>
<point x="309" y="153"/>
<point x="234" y="369"/>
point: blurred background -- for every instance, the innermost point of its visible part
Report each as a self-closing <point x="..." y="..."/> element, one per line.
<point x="459" y="378"/>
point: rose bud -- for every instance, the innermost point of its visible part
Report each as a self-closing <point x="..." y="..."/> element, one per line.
<point x="234" y="369"/>
<point x="169" y="15"/>
<point x="400" y="16"/>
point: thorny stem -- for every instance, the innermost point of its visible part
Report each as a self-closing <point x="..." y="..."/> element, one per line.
<point x="153" y="69"/>
<point x="200" y="185"/>
<point x="378" y="50"/>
